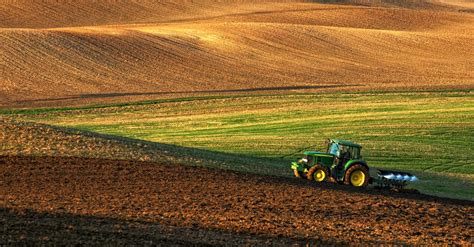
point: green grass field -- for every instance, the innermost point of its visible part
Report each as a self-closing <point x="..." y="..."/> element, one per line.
<point x="430" y="134"/>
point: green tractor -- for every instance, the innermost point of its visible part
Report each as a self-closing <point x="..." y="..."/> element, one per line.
<point x="342" y="163"/>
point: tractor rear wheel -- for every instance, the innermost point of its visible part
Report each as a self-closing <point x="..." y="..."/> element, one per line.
<point x="357" y="176"/>
<point x="318" y="173"/>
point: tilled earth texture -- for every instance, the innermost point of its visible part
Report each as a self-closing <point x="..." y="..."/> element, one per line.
<point x="90" y="201"/>
<point x="65" y="53"/>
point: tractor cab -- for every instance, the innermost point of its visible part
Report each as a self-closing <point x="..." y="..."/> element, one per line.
<point x="344" y="149"/>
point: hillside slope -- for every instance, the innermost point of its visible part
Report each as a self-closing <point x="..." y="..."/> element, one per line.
<point x="64" y="13"/>
<point x="133" y="52"/>
<point x="29" y="139"/>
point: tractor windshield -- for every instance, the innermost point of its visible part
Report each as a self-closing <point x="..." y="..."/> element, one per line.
<point x="334" y="149"/>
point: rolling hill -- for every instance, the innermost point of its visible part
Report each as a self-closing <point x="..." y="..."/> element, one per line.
<point x="66" y="53"/>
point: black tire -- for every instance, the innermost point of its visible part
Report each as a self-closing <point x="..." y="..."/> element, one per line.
<point x="312" y="170"/>
<point x="354" y="168"/>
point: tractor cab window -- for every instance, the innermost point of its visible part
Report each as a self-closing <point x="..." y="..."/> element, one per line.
<point x="351" y="152"/>
<point x="334" y="149"/>
<point x="342" y="151"/>
<point x="356" y="153"/>
<point x="346" y="153"/>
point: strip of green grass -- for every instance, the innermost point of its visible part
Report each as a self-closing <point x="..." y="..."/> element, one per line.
<point x="418" y="132"/>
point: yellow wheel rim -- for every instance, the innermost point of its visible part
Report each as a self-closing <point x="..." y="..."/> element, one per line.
<point x="357" y="178"/>
<point x="319" y="175"/>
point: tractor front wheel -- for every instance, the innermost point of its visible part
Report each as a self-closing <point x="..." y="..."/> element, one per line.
<point x="357" y="176"/>
<point x="318" y="173"/>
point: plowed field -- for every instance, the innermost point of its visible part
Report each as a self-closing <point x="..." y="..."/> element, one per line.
<point x="73" y="200"/>
<point x="65" y="53"/>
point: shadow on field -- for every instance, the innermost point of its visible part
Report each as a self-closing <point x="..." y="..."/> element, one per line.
<point x="29" y="226"/>
<point x="264" y="169"/>
<point x="243" y="90"/>
<point x="268" y="169"/>
<point x="221" y="173"/>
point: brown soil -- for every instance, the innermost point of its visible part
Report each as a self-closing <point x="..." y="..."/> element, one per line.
<point x="75" y="200"/>
<point x="63" y="53"/>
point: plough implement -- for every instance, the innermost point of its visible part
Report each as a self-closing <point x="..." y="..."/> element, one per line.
<point x="394" y="179"/>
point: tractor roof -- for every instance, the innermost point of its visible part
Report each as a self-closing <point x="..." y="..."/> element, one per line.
<point x="347" y="143"/>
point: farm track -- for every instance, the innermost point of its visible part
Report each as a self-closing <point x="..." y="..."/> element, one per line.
<point x="77" y="54"/>
<point x="66" y="200"/>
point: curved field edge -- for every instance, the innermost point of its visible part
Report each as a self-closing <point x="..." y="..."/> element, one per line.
<point x="431" y="138"/>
